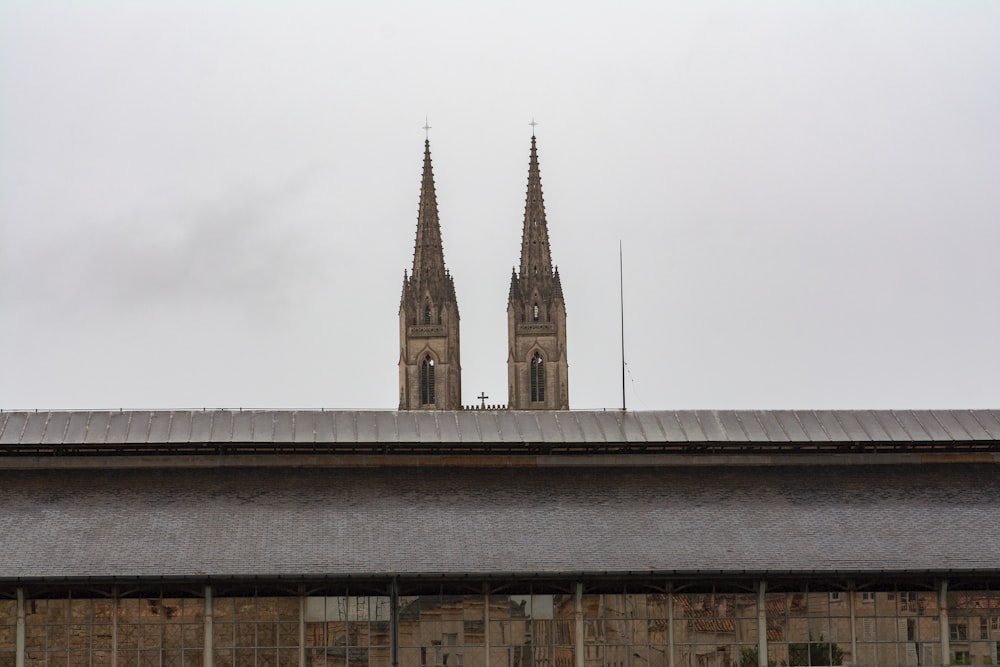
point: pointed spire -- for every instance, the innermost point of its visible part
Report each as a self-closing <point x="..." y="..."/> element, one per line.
<point x="536" y="261"/>
<point x="557" y="285"/>
<point x="428" y="254"/>
<point x="406" y="284"/>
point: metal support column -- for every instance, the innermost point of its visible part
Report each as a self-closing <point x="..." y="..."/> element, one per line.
<point x="762" y="623"/>
<point x="208" y="657"/>
<point x="114" y="626"/>
<point x="486" y="623"/>
<point x="854" y="629"/>
<point x="578" y="618"/>
<point x="670" y="626"/>
<point x="945" y="627"/>
<point x="302" y="628"/>
<point x="394" y="622"/>
<point x="19" y="638"/>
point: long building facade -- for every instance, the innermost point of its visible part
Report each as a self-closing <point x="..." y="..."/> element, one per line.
<point x="500" y="538"/>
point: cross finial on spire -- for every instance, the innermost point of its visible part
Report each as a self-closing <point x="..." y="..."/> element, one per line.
<point x="427" y="129"/>
<point x="532" y="124"/>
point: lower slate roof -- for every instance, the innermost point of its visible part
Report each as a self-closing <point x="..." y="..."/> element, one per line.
<point x="496" y="426"/>
<point x="270" y="522"/>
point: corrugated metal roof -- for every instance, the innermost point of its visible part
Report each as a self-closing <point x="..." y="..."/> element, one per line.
<point x="510" y="427"/>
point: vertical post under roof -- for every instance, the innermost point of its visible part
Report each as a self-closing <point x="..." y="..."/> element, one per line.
<point x="854" y="629"/>
<point x="486" y="622"/>
<point x="302" y="628"/>
<point x="945" y="626"/>
<point x="578" y="619"/>
<point x="208" y="656"/>
<point x="762" y="623"/>
<point x="394" y="622"/>
<point x="671" y="659"/>
<point x="19" y="638"/>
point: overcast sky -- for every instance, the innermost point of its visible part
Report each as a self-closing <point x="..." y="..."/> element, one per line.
<point x="211" y="204"/>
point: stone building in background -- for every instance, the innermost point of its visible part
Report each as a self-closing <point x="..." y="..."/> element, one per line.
<point x="537" y="369"/>
<point x="430" y="372"/>
<point x="430" y="367"/>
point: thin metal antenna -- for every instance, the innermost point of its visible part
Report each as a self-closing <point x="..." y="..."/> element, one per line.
<point x="621" y="301"/>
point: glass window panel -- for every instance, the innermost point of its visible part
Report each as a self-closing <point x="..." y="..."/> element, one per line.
<point x="288" y="634"/>
<point x="79" y="636"/>
<point x="656" y="605"/>
<point x="223" y="634"/>
<point x="56" y="637"/>
<point x="840" y="630"/>
<point x="501" y="657"/>
<point x="500" y="632"/>
<point x="473" y="632"/>
<point x="8" y="612"/>
<point x="244" y="656"/>
<point x="378" y="656"/>
<point x="149" y="657"/>
<point x="593" y="607"/>
<point x="472" y="607"/>
<point x="819" y="629"/>
<point x="171" y="658"/>
<point x="412" y="657"/>
<point x="884" y="604"/>
<point x="149" y="636"/>
<point x="745" y="606"/>
<point x="614" y="630"/>
<point x="172" y="635"/>
<point x="192" y="635"/>
<point x="564" y="632"/>
<point x="245" y="634"/>
<point x="798" y="629"/>
<point x="886" y="653"/>
<point x="430" y="632"/>
<point x="56" y="611"/>
<point x="885" y="629"/>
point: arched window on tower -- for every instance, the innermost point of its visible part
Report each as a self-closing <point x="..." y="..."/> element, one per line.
<point x="427" y="312"/>
<point x="427" y="381"/>
<point x="537" y="379"/>
<point x="535" y="312"/>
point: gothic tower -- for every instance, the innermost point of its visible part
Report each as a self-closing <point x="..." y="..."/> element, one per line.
<point x="537" y="371"/>
<point x="430" y="373"/>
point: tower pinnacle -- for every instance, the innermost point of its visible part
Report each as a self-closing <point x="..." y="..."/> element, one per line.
<point x="429" y="366"/>
<point x="536" y="260"/>
<point x="537" y="369"/>
<point x="428" y="253"/>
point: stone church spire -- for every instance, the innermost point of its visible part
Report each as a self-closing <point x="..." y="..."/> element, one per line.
<point x="428" y="253"/>
<point x="430" y="372"/>
<point x="536" y="259"/>
<point x="537" y="370"/>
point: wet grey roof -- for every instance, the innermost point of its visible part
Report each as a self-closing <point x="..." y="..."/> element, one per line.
<point x="97" y="428"/>
<point x="382" y="521"/>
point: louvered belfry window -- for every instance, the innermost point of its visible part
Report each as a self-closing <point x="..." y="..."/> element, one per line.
<point x="427" y="381"/>
<point x="537" y="373"/>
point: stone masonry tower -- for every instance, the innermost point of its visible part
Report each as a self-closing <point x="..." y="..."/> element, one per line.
<point x="430" y="372"/>
<point x="537" y="371"/>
